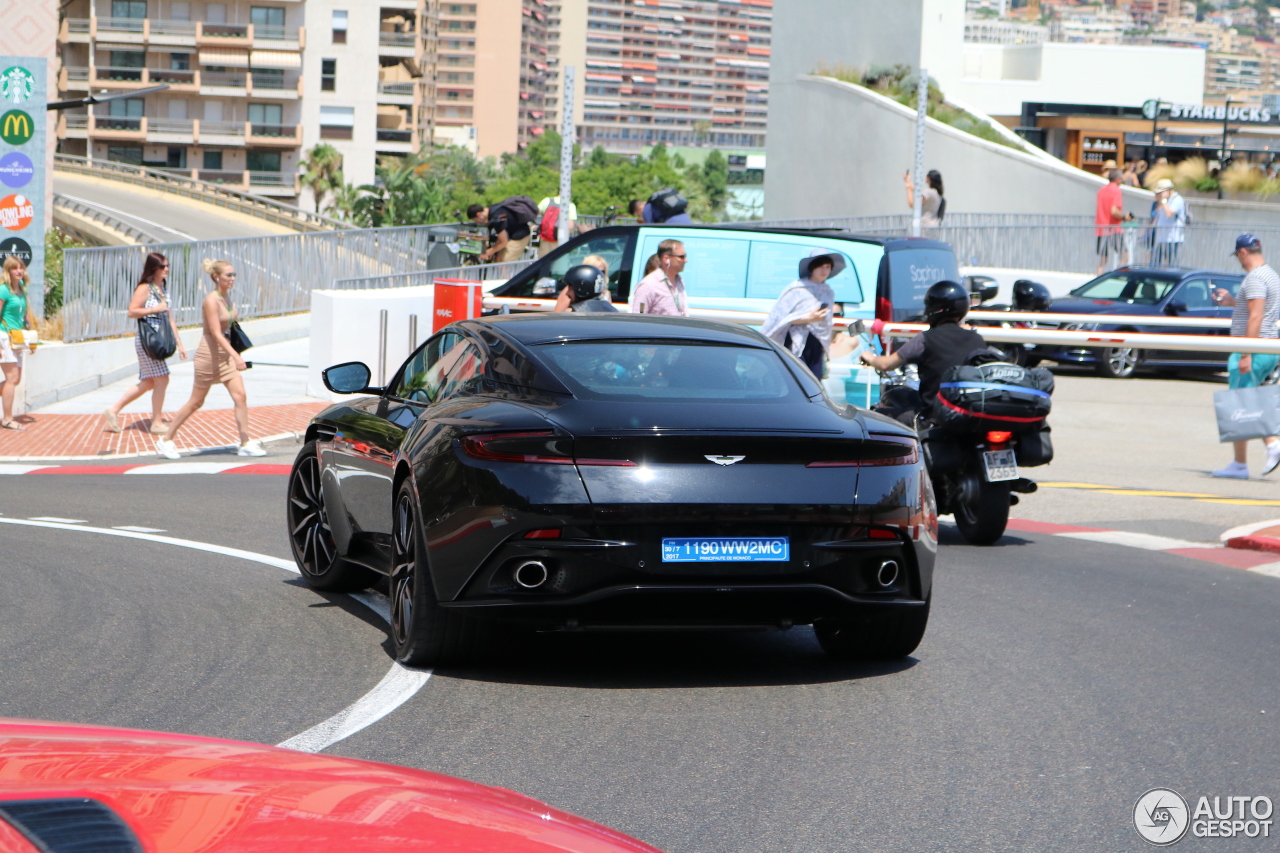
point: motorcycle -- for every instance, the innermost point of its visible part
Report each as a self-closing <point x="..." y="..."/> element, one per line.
<point x="973" y="449"/>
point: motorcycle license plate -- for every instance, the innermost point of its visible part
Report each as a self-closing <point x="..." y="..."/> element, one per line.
<point x="1000" y="465"/>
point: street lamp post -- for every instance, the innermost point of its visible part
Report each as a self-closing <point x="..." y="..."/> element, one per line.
<point x="1222" y="155"/>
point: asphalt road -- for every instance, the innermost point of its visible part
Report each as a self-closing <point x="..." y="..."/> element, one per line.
<point x="164" y="215"/>
<point x="1060" y="679"/>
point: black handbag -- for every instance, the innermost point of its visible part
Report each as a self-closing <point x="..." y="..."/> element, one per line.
<point x="239" y="340"/>
<point x="157" y="336"/>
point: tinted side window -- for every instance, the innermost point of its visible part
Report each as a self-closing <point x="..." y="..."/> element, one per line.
<point x="1195" y="293"/>
<point x="775" y="265"/>
<point x="459" y="365"/>
<point x="1228" y="283"/>
<point x="420" y="378"/>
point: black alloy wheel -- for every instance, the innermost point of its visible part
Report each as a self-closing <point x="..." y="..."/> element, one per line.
<point x="1118" y="362"/>
<point x="981" y="509"/>
<point x="310" y="536"/>
<point x="424" y="633"/>
<point x="882" y="636"/>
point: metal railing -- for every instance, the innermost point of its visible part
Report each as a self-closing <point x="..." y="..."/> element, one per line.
<point x="78" y="25"/>
<point x="121" y="25"/>
<point x="389" y="135"/>
<point x="222" y="128"/>
<point x="223" y="79"/>
<point x="183" y="126"/>
<point x="275" y="274"/>
<point x="485" y="272"/>
<point x="128" y="123"/>
<point x="274" y="131"/>
<point x="210" y="193"/>
<point x="88" y="211"/>
<point x="186" y="29"/>
<point x="119" y="74"/>
<point x="397" y="39"/>
<point x="175" y="76"/>
<point x="396" y="89"/>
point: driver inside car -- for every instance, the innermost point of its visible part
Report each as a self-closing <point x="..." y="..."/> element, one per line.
<point x="946" y="344"/>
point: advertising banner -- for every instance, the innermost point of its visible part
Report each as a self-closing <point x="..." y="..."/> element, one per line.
<point x="23" y="129"/>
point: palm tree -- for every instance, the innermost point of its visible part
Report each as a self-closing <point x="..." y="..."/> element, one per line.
<point x="344" y="201"/>
<point x="324" y="172"/>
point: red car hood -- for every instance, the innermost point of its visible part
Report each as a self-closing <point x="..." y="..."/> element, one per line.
<point x="189" y="794"/>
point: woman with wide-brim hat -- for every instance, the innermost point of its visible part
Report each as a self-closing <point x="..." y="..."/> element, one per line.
<point x="801" y="318"/>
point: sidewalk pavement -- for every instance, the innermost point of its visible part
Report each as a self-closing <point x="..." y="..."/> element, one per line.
<point x="75" y="429"/>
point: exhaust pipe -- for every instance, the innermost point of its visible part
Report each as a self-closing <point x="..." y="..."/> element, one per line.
<point x="531" y="574"/>
<point x="887" y="574"/>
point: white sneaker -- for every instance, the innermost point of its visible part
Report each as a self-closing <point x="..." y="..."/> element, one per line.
<point x="251" y="448"/>
<point x="167" y="449"/>
<point x="1273" y="458"/>
<point x="1236" y="471"/>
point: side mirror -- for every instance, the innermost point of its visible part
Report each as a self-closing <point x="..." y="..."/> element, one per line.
<point x="1175" y="307"/>
<point x="545" y="287"/>
<point x="349" y="378"/>
<point x="984" y="287"/>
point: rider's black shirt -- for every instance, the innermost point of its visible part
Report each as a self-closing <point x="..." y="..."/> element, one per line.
<point x="938" y="350"/>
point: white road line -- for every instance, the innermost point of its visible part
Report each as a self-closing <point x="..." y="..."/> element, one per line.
<point x="57" y="519"/>
<point x="1268" y="569"/>
<point x="138" y="529"/>
<point x="130" y="215"/>
<point x="1145" y="541"/>
<point x="19" y="469"/>
<point x="186" y="468"/>
<point x="398" y="686"/>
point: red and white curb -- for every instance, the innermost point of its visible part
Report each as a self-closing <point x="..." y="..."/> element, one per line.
<point x="1252" y="561"/>
<point x="163" y="468"/>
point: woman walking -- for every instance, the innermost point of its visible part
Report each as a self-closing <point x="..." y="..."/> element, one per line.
<point x="15" y="315"/>
<point x="150" y="303"/>
<point x="216" y="362"/>
<point x="801" y="318"/>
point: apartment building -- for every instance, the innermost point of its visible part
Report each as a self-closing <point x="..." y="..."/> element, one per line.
<point x="232" y="110"/>
<point x="491" y="74"/>
<point x="682" y="72"/>
<point x="253" y="84"/>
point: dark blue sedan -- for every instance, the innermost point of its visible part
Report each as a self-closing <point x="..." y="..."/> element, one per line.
<point x="1128" y="294"/>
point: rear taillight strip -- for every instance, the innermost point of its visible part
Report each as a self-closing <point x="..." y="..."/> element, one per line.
<point x="477" y="446"/>
<point x="912" y="457"/>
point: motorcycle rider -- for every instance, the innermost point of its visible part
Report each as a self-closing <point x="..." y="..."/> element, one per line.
<point x="946" y="344"/>
<point x="587" y="289"/>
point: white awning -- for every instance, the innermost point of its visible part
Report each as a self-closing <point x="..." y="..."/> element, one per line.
<point x="338" y="116"/>
<point x="224" y="56"/>
<point x="276" y="59"/>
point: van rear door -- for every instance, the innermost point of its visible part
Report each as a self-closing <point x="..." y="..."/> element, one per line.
<point x="909" y="268"/>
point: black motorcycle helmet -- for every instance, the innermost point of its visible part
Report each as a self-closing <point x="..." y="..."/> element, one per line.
<point x="586" y="282"/>
<point x="945" y="301"/>
<point x="1030" y="296"/>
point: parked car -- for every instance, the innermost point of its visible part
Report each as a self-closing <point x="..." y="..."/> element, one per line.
<point x="67" y="787"/>
<point x="607" y="471"/>
<point x="1122" y="298"/>
<point x="744" y="268"/>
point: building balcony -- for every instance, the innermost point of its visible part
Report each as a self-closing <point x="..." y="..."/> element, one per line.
<point x="179" y="80"/>
<point x="73" y="126"/>
<point x="272" y="87"/>
<point x="109" y="77"/>
<point x="73" y="78"/>
<point x="396" y="93"/>
<point x="223" y="35"/>
<point x="224" y="83"/>
<point x="395" y="141"/>
<point x="118" y="128"/>
<point x="172" y="32"/>
<point x="279" y="38"/>
<point x="282" y="135"/>
<point x="75" y="31"/>
<point x="220" y="133"/>
<point x="273" y="183"/>
<point x="397" y="44"/>
<point x="172" y="130"/>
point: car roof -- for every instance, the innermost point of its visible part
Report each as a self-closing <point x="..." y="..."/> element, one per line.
<point x="1172" y="271"/>
<point x="890" y="244"/>
<point x="532" y="329"/>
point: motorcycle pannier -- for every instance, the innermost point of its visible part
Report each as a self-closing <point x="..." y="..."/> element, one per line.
<point x="996" y="395"/>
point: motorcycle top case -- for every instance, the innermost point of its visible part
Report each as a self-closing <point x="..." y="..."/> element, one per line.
<point x="996" y="395"/>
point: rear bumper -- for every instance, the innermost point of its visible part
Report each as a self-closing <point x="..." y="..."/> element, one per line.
<point x="665" y="606"/>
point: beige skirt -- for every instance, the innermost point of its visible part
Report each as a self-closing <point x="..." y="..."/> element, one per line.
<point x="214" y="367"/>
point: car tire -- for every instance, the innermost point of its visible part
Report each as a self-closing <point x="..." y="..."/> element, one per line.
<point x="883" y="636"/>
<point x="983" y="515"/>
<point x="1119" y="362"/>
<point x="424" y="633"/>
<point x="310" y="537"/>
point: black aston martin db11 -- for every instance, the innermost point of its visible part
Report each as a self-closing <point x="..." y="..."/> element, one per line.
<point x="591" y="471"/>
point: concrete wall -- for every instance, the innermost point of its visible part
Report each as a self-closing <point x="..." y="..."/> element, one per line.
<point x="861" y="33"/>
<point x="856" y="144"/>
<point x="996" y="79"/>
<point x="345" y="326"/>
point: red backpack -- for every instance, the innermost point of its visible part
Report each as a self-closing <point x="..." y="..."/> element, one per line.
<point x="547" y="230"/>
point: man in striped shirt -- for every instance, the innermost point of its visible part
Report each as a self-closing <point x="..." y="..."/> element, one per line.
<point x="1257" y="311"/>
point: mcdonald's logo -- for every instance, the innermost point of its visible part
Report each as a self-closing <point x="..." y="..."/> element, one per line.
<point x="16" y="127"/>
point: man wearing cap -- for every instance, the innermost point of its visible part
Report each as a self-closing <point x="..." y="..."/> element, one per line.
<point x="1257" y="310"/>
<point x="1170" y="216"/>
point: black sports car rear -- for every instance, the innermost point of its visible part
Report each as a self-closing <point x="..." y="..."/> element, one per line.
<point x="605" y="471"/>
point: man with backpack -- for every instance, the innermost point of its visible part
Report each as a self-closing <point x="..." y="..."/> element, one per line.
<point x="549" y="226"/>
<point x="667" y="207"/>
<point x="508" y="223"/>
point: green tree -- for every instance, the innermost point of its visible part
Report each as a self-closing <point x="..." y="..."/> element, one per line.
<point x="55" y="242"/>
<point x="323" y="165"/>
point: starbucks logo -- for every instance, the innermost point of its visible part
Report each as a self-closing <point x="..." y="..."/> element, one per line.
<point x="17" y="84"/>
<point x="1150" y="109"/>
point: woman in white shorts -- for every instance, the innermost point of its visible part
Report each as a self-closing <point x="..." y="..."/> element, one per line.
<point x="15" y="315"/>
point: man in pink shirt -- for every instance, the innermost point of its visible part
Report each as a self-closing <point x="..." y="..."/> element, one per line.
<point x="662" y="291"/>
<point x="1107" y="218"/>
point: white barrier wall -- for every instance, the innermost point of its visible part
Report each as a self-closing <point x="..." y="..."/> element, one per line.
<point x="346" y="326"/>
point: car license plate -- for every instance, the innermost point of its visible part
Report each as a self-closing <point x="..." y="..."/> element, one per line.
<point x="726" y="549"/>
<point x="1001" y="465"/>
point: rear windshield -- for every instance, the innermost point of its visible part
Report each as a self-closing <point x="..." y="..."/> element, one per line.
<point x="671" y="370"/>
<point x="913" y="271"/>
<point x="1134" y="288"/>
